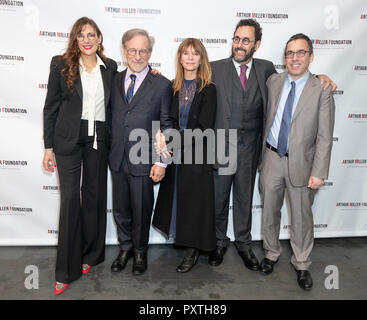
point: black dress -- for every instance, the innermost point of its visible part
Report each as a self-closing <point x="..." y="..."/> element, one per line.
<point x="195" y="211"/>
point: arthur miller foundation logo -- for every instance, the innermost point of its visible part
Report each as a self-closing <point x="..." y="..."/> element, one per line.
<point x="10" y="59"/>
<point x="14" y="210"/>
<point x="257" y="207"/>
<point x="315" y="226"/>
<point x="51" y="189"/>
<point x="53" y="34"/>
<point x="9" y="3"/>
<point x="12" y="112"/>
<point x="264" y="17"/>
<point x="133" y="12"/>
<point x="42" y="86"/>
<point x="355" y="163"/>
<point x="331" y="43"/>
<point x="357" y="205"/>
<point x="327" y="185"/>
<point x="154" y="65"/>
<point x="361" y="70"/>
<point x="338" y="93"/>
<point x="13" y="164"/>
<point x="280" y="67"/>
<point x="207" y="42"/>
<point x="357" y="117"/>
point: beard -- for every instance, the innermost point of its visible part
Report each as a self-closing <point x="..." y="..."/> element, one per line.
<point x="248" y="55"/>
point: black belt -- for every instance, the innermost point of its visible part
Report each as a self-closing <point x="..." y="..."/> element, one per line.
<point x="274" y="149"/>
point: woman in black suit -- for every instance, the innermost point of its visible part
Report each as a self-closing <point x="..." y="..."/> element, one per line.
<point x="185" y="203"/>
<point x="76" y="134"/>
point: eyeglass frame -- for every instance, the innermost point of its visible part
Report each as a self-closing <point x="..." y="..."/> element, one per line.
<point x="237" y="40"/>
<point x="143" y="54"/>
<point x="90" y="36"/>
<point x="300" y="53"/>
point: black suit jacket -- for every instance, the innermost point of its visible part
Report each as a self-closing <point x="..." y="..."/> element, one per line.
<point x="222" y="76"/>
<point x="63" y="107"/>
<point x="150" y="103"/>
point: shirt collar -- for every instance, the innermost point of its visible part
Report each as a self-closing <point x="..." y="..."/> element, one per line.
<point x="299" y="81"/>
<point x="99" y="63"/>
<point x="140" y="75"/>
<point x="238" y="66"/>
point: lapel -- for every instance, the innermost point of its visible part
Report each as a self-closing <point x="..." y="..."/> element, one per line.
<point x="276" y="93"/>
<point x="259" y="78"/>
<point x="78" y="87"/>
<point x="175" y="113"/>
<point x="228" y="83"/>
<point x="106" y="85"/>
<point x="121" y="85"/>
<point x="147" y="84"/>
<point x="251" y="86"/>
<point x="306" y="93"/>
<point x="236" y="79"/>
<point x="193" y="107"/>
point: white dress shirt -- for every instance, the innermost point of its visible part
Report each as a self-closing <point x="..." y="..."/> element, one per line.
<point x="93" y="96"/>
<point x="238" y="68"/>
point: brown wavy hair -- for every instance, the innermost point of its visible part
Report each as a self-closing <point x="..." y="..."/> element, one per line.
<point x="204" y="72"/>
<point x="72" y="54"/>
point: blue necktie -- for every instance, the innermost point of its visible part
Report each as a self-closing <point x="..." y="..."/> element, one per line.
<point x="286" y="122"/>
<point x="130" y="89"/>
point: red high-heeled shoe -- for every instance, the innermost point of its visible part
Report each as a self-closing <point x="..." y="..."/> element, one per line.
<point x="85" y="271"/>
<point x="61" y="290"/>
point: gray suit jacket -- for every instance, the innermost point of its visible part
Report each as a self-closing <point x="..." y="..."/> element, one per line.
<point x="311" y="131"/>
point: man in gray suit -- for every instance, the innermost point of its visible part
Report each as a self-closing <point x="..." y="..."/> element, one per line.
<point x="241" y="105"/>
<point x="296" y="155"/>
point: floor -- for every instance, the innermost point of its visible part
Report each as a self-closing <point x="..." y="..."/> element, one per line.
<point x="343" y="259"/>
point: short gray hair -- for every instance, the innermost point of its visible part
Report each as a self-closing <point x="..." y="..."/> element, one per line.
<point x="128" y="35"/>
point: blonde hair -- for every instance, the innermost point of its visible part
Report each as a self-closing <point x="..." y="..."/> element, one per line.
<point x="204" y="72"/>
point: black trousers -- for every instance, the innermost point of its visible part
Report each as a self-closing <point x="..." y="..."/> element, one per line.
<point x="133" y="200"/>
<point x="82" y="221"/>
<point x="243" y="182"/>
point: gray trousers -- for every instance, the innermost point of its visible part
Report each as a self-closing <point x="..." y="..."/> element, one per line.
<point x="274" y="180"/>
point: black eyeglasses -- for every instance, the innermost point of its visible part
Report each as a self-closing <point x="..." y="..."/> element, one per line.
<point x="243" y="40"/>
<point x="299" y="53"/>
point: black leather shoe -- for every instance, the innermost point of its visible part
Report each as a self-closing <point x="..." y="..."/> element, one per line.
<point x="267" y="266"/>
<point x="190" y="259"/>
<point x="121" y="260"/>
<point x="140" y="263"/>
<point x="249" y="259"/>
<point x="216" y="256"/>
<point x="304" y="279"/>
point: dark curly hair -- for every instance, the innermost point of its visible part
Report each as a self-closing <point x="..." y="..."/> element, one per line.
<point x="251" y="23"/>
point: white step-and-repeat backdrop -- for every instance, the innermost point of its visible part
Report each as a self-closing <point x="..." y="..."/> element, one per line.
<point x="34" y="31"/>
